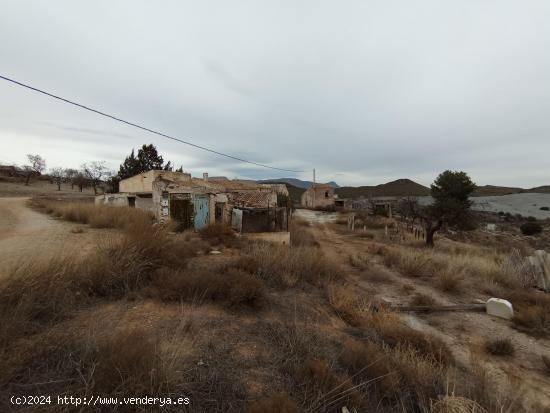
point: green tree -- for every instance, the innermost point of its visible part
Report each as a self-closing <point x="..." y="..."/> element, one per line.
<point x="451" y="192"/>
<point x="147" y="158"/>
<point x="129" y="167"/>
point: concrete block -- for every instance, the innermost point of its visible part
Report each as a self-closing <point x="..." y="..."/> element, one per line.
<point x="499" y="308"/>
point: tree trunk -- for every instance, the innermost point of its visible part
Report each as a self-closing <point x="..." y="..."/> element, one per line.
<point x="431" y="230"/>
<point x="28" y="179"/>
<point x="59" y="185"/>
<point x="80" y="187"/>
<point x="95" y="188"/>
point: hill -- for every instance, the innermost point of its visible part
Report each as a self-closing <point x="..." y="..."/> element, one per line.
<point x="298" y="183"/>
<point x="545" y="189"/>
<point x="400" y="187"/>
<point x="492" y="190"/>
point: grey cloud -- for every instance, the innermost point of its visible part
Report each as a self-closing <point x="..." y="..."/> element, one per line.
<point x="363" y="91"/>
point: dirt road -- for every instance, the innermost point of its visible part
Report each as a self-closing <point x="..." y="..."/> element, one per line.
<point x="27" y="235"/>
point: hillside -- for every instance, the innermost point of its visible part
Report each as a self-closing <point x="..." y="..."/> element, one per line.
<point x="298" y="183"/>
<point x="545" y="189"/>
<point x="400" y="187"/>
<point x="492" y="190"/>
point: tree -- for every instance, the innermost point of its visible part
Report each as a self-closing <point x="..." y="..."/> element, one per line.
<point x="58" y="174"/>
<point x="80" y="180"/>
<point x="450" y="191"/>
<point x="95" y="171"/>
<point x="147" y="158"/>
<point x="36" y="166"/>
<point x="71" y="175"/>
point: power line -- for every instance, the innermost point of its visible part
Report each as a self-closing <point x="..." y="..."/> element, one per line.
<point x="142" y="127"/>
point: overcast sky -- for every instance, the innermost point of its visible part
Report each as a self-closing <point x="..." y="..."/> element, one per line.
<point x="363" y="91"/>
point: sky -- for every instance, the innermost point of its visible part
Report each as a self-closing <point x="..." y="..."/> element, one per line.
<point x="363" y="91"/>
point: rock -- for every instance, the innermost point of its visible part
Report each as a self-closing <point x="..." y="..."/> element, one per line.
<point x="499" y="308"/>
<point x="215" y="252"/>
<point x="491" y="227"/>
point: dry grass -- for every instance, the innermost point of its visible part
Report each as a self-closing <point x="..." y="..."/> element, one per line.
<point x="546" y="362"/>
<point x="423" y="300"/>
<point x="399" y="378"/>
<point x="301" y="234"/>
<point x="277" y="403"/>
<point x="346" y="304"/>
<point x="97" y="216"/>
<point x="394" y="333"/>
<point x="219" y="234"/>
<point x="283" y="266"/>
<point x="499" y="347"/>
<point x="325" y="390"/>
<point x="532" y="311"/>
<point x="231" y="287"/>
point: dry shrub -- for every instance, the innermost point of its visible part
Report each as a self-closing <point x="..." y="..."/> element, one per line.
<point x="345" y="302"/>
<point x="377" y="274"/>
<point x="301" y="234"/>
<point x="231" y="287"/>
<point x="219" y="234"/>
<point x="413" y="263"/>
<point x="360" y="261"/>
<point x="546" y="362"/>
<point x="499" y="347"/>
<point x="423" y="300"/>
<point x="398" y="377"/>
<point x="456" y="404"/>
<point x="368" y="362"/>
<point x="365" y="235"/>
<point x="277" y="403"/>
<point x="36" y="293"/>
<point x="394" y="333"/>
<point x="532" y="314"/>
<point x="284" y="266"/>
<point x="128" y="362"/>
<point x="449" y="282"/>
<point x="97" y="216"/>
<point x="324" y="389"/>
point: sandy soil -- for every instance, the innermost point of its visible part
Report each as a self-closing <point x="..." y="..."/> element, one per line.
<point x="26" y="234"/>
<point x="464" y="332"/>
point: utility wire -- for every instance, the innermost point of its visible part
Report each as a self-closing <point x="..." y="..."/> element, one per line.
<point x="142" y="127"/>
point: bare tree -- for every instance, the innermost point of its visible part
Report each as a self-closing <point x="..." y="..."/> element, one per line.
<point x="36" y="166"/>
<point x="95" y="171"/>
<point x="80" y="180"/>
<point x="58" y="174"/>
<point x="71" y="175"/>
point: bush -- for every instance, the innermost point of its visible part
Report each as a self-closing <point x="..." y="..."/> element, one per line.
<point x="218" y="234"/>
<point x="277" y="403"/>
<point x="231" y="287"/>
<point x="544" y="208"/>
<point x="499" y="347"/>
<point x="546" y="362"/>
<point x="284" y="266"/>
<point x="530" y="228"/>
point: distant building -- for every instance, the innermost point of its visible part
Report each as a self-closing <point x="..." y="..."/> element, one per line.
<point x="318" y="196"/>
<point x="195" y="203"/>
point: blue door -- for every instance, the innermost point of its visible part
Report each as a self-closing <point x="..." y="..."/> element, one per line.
<point x="202" y="216"/>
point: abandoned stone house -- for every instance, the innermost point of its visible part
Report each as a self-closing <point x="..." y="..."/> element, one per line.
<point x="196" y="203"/>
<point x="318" y="196"/>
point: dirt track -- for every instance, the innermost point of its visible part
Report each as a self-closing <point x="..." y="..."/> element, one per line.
<point x="26" y="234"/>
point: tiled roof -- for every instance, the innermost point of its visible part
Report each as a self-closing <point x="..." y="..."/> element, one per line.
<point x="254" y="199"/>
